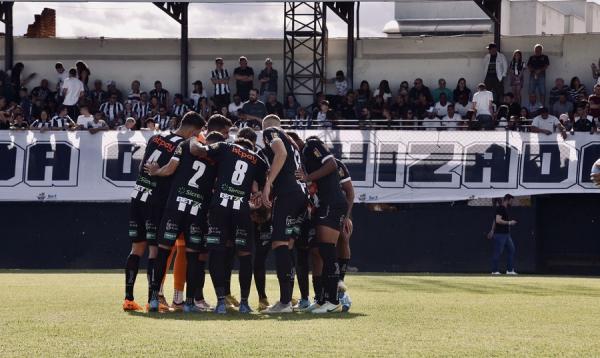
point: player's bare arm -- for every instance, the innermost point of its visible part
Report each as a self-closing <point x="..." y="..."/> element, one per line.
<point x="167" y="170"/>
<point x="327" y="168"/>
<point x="198" y="149"/>
<point x="348" y="189"/>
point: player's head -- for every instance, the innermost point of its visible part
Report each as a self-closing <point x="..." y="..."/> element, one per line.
<point x="214" y="137"/>
<point x="247" y="133"/>
<point x="219" y="123"/>
<point x="191" y="124"/>
<point x="271" y="120"/>
<point x="246" y="143"/>
<point x="299" y="142"/>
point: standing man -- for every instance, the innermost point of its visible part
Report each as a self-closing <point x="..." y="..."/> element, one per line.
<point x="495" y="67"/>
<point x="220" y="79"/>
<point x="72" y="91"/>
<point x="289" y="204"/>
<point x="483" y="108"/>
<point x="268" y="81"/>
<point x="537" y="65"/>
<point x="502" y="238"/>
<point x="244" y="77"/>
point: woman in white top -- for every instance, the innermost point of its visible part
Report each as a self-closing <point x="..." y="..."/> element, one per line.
<point x="384" y="90"/>
<point x="197" y="93"/>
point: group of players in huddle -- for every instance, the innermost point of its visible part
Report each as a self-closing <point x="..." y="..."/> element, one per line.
<point x="226" y="199"/>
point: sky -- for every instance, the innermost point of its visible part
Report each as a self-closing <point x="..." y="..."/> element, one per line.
<point x="135" y="20"/>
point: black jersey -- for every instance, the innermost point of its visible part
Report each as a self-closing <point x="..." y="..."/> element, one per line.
<point x="286" y="181"/>
<point x="160" y="149"/>
<point x="238" y="168"/>
<point x="193" y="181"/>
<point x="328" y="187"/>
<point x="343" y="172"/>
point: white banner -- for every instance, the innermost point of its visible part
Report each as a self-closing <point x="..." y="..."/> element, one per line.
<point x="386" y="166"/>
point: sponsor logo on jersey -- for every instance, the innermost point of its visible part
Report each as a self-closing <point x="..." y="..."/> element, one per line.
<point x="171" y="226"/>
<point x="161" y="143"/>
<point x="244" y="154"/>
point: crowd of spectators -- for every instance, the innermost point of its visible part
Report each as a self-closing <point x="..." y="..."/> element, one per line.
<point x="76" y="102"/>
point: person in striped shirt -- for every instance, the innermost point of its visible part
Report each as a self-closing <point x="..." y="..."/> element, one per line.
<point x="142" y="108"/>
<point x="43" y="123"/>
<point x="113" y="111"/>
<point x="178" y="109"/>
<point x="160" y="93"/>
<point x="220" y="79"/>
<point x="135" y="94"/>
<point x="162" y="119"/>
<point x="62" y="121"/>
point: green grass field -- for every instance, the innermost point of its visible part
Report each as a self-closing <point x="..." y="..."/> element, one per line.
<point x="79" y="314"/>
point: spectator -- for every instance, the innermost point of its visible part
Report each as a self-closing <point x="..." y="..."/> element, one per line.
<point x="514" y="108"/>
<point x="515" y="73"/>
<point x="113" y="111"/>
<point x="483" y="109"/>
<point x="235" y="106"/>
<point x="150" y="125"/>
<point x="451" y="119"/>
<point x="160" y="93"/>
<point x="502" y="238"/>
<point x="502" y="117"/>
<point x="302" y="119"/>
<point x="36" y="108"/>
<point x="84" y="117"/>
<point x="197" y="93"/>
<point x="514" y="124"/>
<point x="206" y="108"/>
<point x="383" y="90"/>
<point x="178" y="109"/>
<point x="42" y="92"/>
<point x="83" y="73"/>
<point x="142" y="108"/>
<point x="245" y="122"/>
<point x="558" y="89"/>
<point x="253" y="108"/>
<point x="442" y="89"/>
<point x="418" y="90"/>
<point x="363" y="95"/>
<point x="365" y="119"/>
<point x="62" y="121"/>
<point x="316" y="106"/>
<point x="577" y="90"/>
<point x="220" y="79"/>
<point x="61" y="75"/>
<point x="25" y="104"/>
<point x="403" y="86"/>
<point x="268" y="80"/>
<point x="97" y="124"/>
<point x="5" y="119"/>
<point x="420" y="108"/>
<point x="461" y="89"/>
<point x="290" y="108"/>
<point x="162" y="119"/>
<point x="399" y="107"/>
<point x="441" y="107"/>
<point x="596" y="72"/>
<point x="129" y="112"/>
<point x="72" y="91"/>
<point x="463" y="106"/>
<point x="562" y="106"/>
<point x="407" y="120"/>
<point x="129" y="125"/>
<point x="324" y="118"/>
<point x="594" y="101"/>
<point x="97" y="95"/>
<point x="154" y="106"/>
<point x="348" y="107"/>
<point x="537" y="65"/>
<point x="583" y="122"/>
<point x="19" y="122"/>
<point x="565" y="120"/>
<point x="42" y="123"/>
<point x="273" y="106"/>
<point x="525" y="113"/>
<point x="111" y="89"/>
<point x="431" y="121"/>
<point x="533" y="106"/>
<point x="135" y="95"/>
<point x="545" y="123"/>
<point x="244" y="78"/>
<point x="341" y="85"/>
<point x="225" y="112"/>
<point x="495" y="67"/>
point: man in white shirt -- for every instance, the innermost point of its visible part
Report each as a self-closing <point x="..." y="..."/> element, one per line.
<point x="452" y="119"/>
<point x="546" y="123"/>
<point x="84" y="117"/>
<point x="431" y="122"/>
<point x="441" y="107"/>
<point x="97" y="124"/>
<point x="235" y="106"/>
<point x="494" y="69"/>
<point x="483" y="108"/>
<point x="72" y="91"/>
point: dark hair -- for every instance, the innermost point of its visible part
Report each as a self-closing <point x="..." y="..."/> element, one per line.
<point x="573" y="80"/>
<point x="178" y="96"/>
<point x="508" y="197"/>
<point x="244" y="143"/>
<point x="247" y="133"/>
<point x="214" y="137"/>
<point x="218" y="122"/>
<point x="58" y="65"/>
<point x="72" y="72"/>
<point x="339" y="73"/>
<point x="458" y="83"/>
<point x="386" y="87"/>
<point x="193" y="119"/>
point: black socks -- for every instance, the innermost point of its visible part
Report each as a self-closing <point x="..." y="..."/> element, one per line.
<point x="131" y="271"/>
<point x="284" y="271"/>
<point x="245" y="276"/>
<point x="160" y="268"/>
<point x="229" y="260"/>
<point x="191" y="276"/>
<point x="260" y="259"/>
<point x="318" y="288"/>
<point x="331" y="271"/>
<point x="217" y="271"/>
<point x="199" y="295"/>
<point x="343" y="264"/>
<point x="150" y="275"/>
<point x="302" y="272"/>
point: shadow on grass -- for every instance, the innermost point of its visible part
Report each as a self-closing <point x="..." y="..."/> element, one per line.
<point x="235" y="316"/>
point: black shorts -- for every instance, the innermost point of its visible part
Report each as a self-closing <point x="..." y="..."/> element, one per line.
<point x="193" y="227"/>
<point x="307" y="237"/>
<point x="227" y="224"/>
<point x="287" y="213"/>
<point x="330" y="216"/>
<point x="141" y="228"/>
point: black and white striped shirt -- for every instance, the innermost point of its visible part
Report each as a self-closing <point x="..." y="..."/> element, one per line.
<point x="178" y="110"/>
<point x="220" y="88"/>
<point x="111" y="111"/>
<point x="38" y="123"/>
<point x="141" y="109"/>
<point x="162" y="122"/>
<point x="160" y="95"/>
<point x="62" y="122"/>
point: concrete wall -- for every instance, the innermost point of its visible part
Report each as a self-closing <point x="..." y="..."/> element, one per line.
<point x="394" y="59"/>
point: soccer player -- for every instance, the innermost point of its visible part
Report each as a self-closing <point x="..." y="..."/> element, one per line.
<point x="343" y="247"/>
<point x="595" y="175"/>
<point x="288" y="203"/>
<point x="147" y="202"/>
<point x="330" y="216"/>
<point x="239" y="167"/>
<point x="262" y="246"/>
<point x="186" y="212"/>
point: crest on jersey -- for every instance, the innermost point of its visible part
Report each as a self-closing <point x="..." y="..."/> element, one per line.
<point x="317" y="153"/>
<point x="178" y="150"/>
<point x="214" y="146"/>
